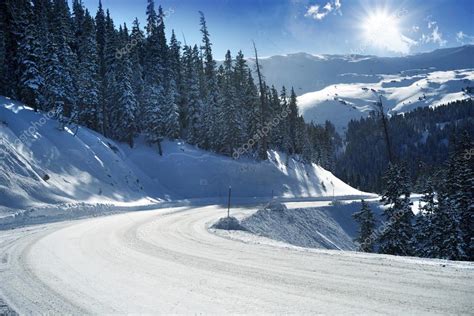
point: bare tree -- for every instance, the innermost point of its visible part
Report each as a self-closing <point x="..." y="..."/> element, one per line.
<point x="263" y="145"/>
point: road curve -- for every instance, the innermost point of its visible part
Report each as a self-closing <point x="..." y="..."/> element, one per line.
<point x="167" y="262"/>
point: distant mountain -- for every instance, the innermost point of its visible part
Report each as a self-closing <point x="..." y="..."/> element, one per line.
<point x="339" y="88"/>
<point x="308" y="73"/>
<point x="400" y="93"/>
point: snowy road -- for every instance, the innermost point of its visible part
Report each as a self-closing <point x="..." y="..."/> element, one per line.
<point x="166" y="261"/>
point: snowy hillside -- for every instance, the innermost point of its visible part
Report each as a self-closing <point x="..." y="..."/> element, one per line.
<point x="308" y="73"/>
<point x="400" y="93"/>
<point x="42" y="165"/>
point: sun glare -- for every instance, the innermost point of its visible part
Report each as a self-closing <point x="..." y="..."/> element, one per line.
<point x="380" y="29"/>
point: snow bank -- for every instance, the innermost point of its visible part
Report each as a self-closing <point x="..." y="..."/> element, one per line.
<point x="228" y="223"/>
<point x="42" y="166"/>
<point x="328" y="227"/>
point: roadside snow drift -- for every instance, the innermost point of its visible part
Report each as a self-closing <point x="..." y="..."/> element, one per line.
<point x="327" y="227"/>
<point x="41" y="165"/>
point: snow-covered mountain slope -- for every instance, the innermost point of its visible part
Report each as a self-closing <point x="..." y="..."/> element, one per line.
<point x="39" y="164"/>
<point x="400" y="93"/>
<point x="308" y="73"/>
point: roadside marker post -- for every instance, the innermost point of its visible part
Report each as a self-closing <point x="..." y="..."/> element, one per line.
<point x="228" y="202"/>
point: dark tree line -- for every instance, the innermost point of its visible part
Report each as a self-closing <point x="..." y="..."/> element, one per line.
<point x="124" y="82"/>
<point x="421" y="140"/>
<point x="444" y="227"/>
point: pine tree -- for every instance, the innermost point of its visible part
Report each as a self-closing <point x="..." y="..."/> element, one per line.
<point x="176" y="75"/>
<point x="228" y="110"/>
<point x="11" y="26"/>
<point x="292" y="122"/>
<point x="137" y="40"/>
<point x="251" y="106"/>
<point x="424" y="229"/>
<point x="464" y="193"/>
<point x="125" y="124"/>
<point x="366" y="221"/>
<point x="239" y="83"/>
<point x="154" y="77"/>
<point x="28" y="58"/>
<point x="60" y="69"/>
<point x="210" y="91"/>
<point x="447" y="236"/>
<point x="87" y="80"/>
<point x="100" y="40"/>
<point x="192" y="96"/>
<point x="111" y="92"/>
<point x="397" y="237"/>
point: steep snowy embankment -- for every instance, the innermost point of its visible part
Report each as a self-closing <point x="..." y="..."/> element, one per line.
<point x="42" y="165"/>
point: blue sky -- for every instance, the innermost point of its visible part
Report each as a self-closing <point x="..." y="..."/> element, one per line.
<point x="385" y="28"/>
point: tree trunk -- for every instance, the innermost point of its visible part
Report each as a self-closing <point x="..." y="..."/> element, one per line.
<point x="264" y="146"/>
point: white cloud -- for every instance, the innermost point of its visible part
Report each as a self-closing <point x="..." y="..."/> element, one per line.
<point x="434" y="36"/>
<point x="463" y="38"/>
<point x="318" y="13"/>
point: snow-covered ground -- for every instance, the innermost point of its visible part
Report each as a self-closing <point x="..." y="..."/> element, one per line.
<point x="42" y="166"/>
<point x="400" y="93"/>
<point x="324" y="227"/>
<point x="307" y="73"/>
<point x="168" y="262"/>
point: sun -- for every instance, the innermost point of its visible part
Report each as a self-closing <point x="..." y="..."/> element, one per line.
<point x="380" y="29"/>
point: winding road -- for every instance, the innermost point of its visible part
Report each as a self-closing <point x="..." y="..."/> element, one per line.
<point x="167" y="262"/>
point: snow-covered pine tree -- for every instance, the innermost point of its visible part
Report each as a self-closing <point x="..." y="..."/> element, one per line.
<point x="306" y="149"/>
<point x="9" y="10"/>
<point x="154" y="94"/>
<point x="449" y="235"/>
<point x="192" y="95"/>
<point x="366" y="220"/>
<point x="397" y="237"/>
<point x="240" y="83"/>
<point x="88" y="73"/>
<point x="171" y="126"/>
<point x="55" y="76"/>
<point x="137" y="40"/>
<point x="292" y="122"/>
<point x="28" y="58"/>
<point x="210" y="91"/>
<point x="423" y="228"/>
<point x="464" y="193"/>
<point x="170" y="73"/>
<point x="251" y="106"/>
<point x="42" y="11"/>
<point x="100" y="40"/>
<point x="273" y="113"/>
<point x="176" y="74"/>
<point x="447" y="241"/>
<point x="284" y="126"/>
<point x="125" y="124"/>
<point x="111" y="95"/>
<point x="78" y="19"/>
<point x="228" y="115"/>
<point x="60" y="69"/>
